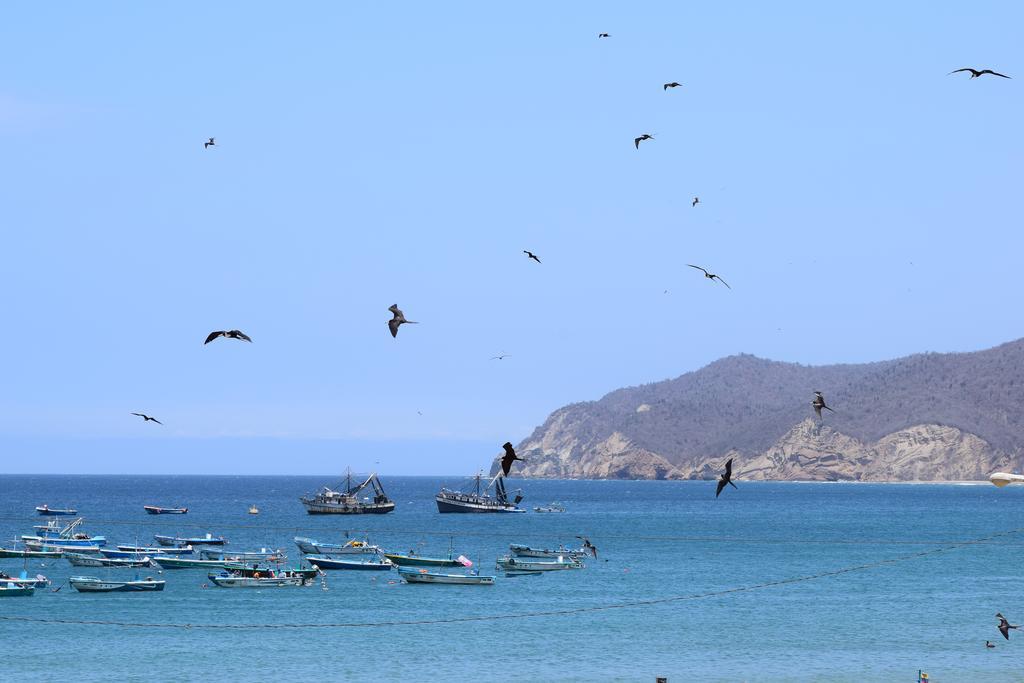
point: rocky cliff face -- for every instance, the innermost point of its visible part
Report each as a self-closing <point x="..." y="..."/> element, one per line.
<point x="930" y="417"/>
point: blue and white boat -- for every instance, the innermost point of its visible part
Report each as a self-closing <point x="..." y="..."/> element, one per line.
<point x="353" y="547"/>
<point x="268" y="554"/>
<point x="521" y="565"/>
<point x="144" y="550"/>
<point x="82" y="560"/>
<point x="322" y="562"/>
<point x="92" y="584"/>
<point x="47" y="511"/>
<point x="208" y="539"/>
<point x="52" y="533"/>
<point x="23" y="579"/>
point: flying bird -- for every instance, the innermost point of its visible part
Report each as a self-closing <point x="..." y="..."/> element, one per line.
<point x="1005" y="626"/>
<point x="501" y="356"/>
<point x="530" y="254"/>
<point x="397" y="318"/>
<point x="726" y="478"/>
<point x="819" y="403"/>
<point x="604" y="35"/>
<point x="696" y="201"/>
<point x="673" y="84"/>
<point x="710" y="276"/>
<point x="209" y="143"/>
<point x="510" y="455"/>
<point x="645" y="136"/>
<point x="229" y="334"/>
<point x="587" y="545"/>
<point x="147" y="418"/>
<point x="975" y="73"/>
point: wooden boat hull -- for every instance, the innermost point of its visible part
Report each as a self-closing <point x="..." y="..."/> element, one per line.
<point x="331" y="563"/>
<point x="423" y="576"/>
<point x="414" y="561"/>
<point x="16" y="591"/>
<point x="153" y="510"/>
<point x="80" y="560"/>
<point x="88" y="584"/>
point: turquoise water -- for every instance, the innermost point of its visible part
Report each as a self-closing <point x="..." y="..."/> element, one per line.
<point x="656" y="540"/>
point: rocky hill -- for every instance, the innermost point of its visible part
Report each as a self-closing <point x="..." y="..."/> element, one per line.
<point x="924" y="417"/>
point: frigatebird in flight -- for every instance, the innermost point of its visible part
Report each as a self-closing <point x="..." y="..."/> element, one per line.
<point x="710" y="276"/>
<point x="726" y="478"/>
<point x="530" y="254"/>
<point x="509" y="457"/>
<point x="975" y="73"/>
<point x="645" y="136"/>
<point x="228" y="334"/>
<point x="397" y="318"/>
<point x="147" y="418"/>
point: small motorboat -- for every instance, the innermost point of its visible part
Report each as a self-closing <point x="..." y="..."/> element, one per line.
<point x="47" y="511"/>
<point x="144" y="550"/>
<point x="417" y="561"/>
<point x="253" y="510"/>
<point x="169" y="562"/>
<point x="16" y="591"/>
<point x="81" y="560"/>
<point x="353" y="547"/>
<point x="266" y="554"/>
<point x="520" y="550"/>
<point x="37" y="581"/>
<point x="519" y="564"/>
<point x="56" y="546"/>
<point x="26" y="552"/>
<point x="209" y="539"/>
<point x="413" y="575"/>
<point x="334" y="563"/>
<point x="270" y="579"/>
<point x="154" y="510"/>
<point x="92" y="584"/>
<point x="552" y="507"/>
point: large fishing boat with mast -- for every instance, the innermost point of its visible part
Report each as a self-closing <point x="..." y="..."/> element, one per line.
<point x="328" y="501"/>
<point x="479" y="499"/>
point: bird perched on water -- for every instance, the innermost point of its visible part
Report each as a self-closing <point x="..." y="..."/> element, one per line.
<point x="725" y="478"/>
<point x="696" y="201"/>
<point x="710" y="276"/>
<point x="209" y="143"/>
<point x="673" y="84"/>
<point x="988" y="644"/>
<point x="229" y="334"/>
<point x="975" y="73"/>
<point x="819" y="403"/>
<point x="530" y="254"/>
<point x="645" y="136"/>
<point x="1005" y="626"/>
<point x="587" y="545"/>
<point x="147" y="418"/>
<point x="604" y="35"/>
<point x="397" y="318"/>
<point x="509" y="457"/>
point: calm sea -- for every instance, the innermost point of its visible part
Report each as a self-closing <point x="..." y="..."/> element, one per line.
<point x="656" y="540"/>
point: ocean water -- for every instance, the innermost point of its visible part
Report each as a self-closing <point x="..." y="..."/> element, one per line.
<point x="656" y="540"/>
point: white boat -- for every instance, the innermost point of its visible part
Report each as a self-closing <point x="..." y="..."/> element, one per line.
<point x="479" y="500"/>
<point x="150" y="550"/>
<point x="520" y="550"/>
<point x="91" y="584"/>
<point x="353" y="547"/>
<point x="518" y="564"/>
<point x="268" y="554"/>
<point x="553" y="507"/>
<point x="414" y="575"/>
<point x="37" y="581"/>
<point x="226" y="580"/>
<point x="80" y="560"/>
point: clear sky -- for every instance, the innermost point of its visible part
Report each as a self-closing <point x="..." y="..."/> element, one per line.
<point x="861" y="203"/>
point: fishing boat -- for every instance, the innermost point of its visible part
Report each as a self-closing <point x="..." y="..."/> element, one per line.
<point x="16" y="591"/>
<point x="518" y="564"/>
<point x="526" y="551"/>
<point x="149" y="550"/>
<point x="261" y="554"/>
<point x="52" y="533"/>
<point x="412" y="575"/>
<point x="245" y="569"/>
<point x="209" y="539"/>
<point x="26" y="552"/>
<point x="168" y="562"/>
<point x="154" y="510"/>
<point x="56" y="546"/>
<point x="337" y="501"/>
<point x="253" y="510"/>
<point x="353" y="547"/>
<point x="479" y="500"/>
<point x="412" y="560"/>
<point x="37" y="581"/>
<point x="92" y="584"/>
<point x="82" y="560"/>
<point x="47" y="511"/>
<point x="550" y="507"/>
<point x="334" y="563"/>
<point x="272" y="579"/>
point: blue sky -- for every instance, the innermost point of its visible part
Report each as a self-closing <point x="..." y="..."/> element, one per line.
<point x="861" y="203"/>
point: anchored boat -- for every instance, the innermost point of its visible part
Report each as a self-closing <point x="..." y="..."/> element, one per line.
<point x="80" y="560"/>
<point x="526" y="551"/>
<point x="52" y="534"/>
<point x="23" y="580"/>
<point x="328" y="501"/>
<point x="209" y="539"/>
<point x="353" y="547"/>
<point x="234" y="556"/>
<point x="92" y="584"/>
<point x="334" y="563"/>
<point x="16" y="591"/>
<point x="411" y="575"/>
<point x="47" y="511"/>
<point x="154" y="510"/>
<point x="517" y="564"/>
<point x="479" y="500"/>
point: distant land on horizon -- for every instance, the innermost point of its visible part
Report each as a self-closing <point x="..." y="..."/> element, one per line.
<point x="925" y="417"/>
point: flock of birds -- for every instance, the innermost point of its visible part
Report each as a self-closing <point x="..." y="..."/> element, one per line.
<point x="725" y="479"/>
